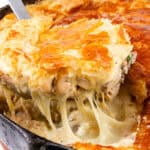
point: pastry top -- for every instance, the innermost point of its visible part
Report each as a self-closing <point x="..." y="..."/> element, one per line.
<point x="71" y="56"/>
<point x="37" y="48"/>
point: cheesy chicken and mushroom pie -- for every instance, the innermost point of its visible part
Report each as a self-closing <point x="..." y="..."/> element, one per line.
<point x="63" y="81"/>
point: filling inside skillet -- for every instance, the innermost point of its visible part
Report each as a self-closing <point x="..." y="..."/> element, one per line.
<point x="65" y="81"/>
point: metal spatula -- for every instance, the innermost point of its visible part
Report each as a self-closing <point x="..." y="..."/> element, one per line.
<point x="19" y="9"/>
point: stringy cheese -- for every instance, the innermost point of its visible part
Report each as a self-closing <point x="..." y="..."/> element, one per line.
<point x="95" y="123"/>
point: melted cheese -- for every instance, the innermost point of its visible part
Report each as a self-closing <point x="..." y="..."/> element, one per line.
<point x="94" y="123"/>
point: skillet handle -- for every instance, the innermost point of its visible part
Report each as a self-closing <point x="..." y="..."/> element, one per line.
<point x="18" y="138"/>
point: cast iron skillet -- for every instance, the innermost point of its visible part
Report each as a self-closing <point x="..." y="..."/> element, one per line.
<point x="16" y="137"/>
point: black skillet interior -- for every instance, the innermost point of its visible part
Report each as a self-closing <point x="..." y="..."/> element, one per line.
<point x="17" y="138"/>
<point x="14" y="136"/>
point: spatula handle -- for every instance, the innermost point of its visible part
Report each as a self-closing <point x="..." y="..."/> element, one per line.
<point x="19" y="9"/>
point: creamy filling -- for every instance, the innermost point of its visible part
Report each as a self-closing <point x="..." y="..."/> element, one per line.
<point x="87" y="117"/>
